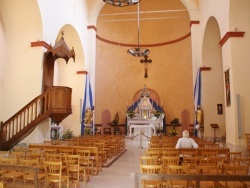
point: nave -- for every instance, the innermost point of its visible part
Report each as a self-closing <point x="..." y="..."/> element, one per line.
<point x="118" y="174"/>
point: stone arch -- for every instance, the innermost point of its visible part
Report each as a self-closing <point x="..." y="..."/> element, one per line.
<point x="65" y="70"/>
<point x="212" y="81"/>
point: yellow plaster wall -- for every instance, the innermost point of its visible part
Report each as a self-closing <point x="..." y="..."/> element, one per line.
<point x="119" y="75"/>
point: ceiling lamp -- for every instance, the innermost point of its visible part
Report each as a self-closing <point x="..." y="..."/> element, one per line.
<point x="122" y="3"/>
<point x="138" y="52"/>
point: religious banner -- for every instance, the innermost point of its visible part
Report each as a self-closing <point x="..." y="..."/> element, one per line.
<point x="87" y="125"/>
<point x="227" y="85"/>
<point x="197" y="99"/>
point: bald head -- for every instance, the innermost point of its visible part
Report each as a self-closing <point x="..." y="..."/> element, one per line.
<point x="185" y="134"/>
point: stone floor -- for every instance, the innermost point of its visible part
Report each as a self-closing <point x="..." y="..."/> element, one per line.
<point x="118" y="175"/>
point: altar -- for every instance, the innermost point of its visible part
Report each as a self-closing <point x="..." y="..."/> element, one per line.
<point x="144" y="118"/>
<point x="152" y="124"/>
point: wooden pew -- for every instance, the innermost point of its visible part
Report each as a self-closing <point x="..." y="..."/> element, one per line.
<point x="93" y="151"/>
<point x="247" y="137"/>
<point x="221" y="151"/>
<point x="33" y="170"/>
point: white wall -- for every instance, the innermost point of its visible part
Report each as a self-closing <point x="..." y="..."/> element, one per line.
<point x="67" y="76"/>
<point x="22" y="64"/>
<point x="213" y="80"/>
<point x="235" y="55"/>
<point x="239" y="17"/>
<point x="26" y="22"/>
<point x="2" y="60"/>
<point x="73" y="21"/>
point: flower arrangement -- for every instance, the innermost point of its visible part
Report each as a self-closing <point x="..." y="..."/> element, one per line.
<point x="87" y="131"/>
<point x="157" y="113"/>
<point x="68" y="134"/>
<point x="173" y="132"/>
<point x="175" y="121"/>
<point x="131" y="113"/>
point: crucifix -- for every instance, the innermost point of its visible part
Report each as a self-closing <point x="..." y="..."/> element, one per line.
<point x="146" y="61"/>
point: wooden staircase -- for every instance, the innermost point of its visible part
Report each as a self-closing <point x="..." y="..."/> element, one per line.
<point x="54" y="103"/>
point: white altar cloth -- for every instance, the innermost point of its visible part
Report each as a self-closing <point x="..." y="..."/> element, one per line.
<point x="152" y="122"/>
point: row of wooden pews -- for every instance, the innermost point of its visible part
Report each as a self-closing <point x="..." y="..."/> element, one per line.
<point x="170" y="142"/>
<point x="86" y="153"/>
<point x="208" y="159"/>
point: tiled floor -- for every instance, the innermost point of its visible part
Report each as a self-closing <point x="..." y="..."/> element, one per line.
<point x="118" y="175"/>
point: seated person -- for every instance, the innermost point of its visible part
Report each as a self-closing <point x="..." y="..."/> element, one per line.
<point x="185" y="141"/>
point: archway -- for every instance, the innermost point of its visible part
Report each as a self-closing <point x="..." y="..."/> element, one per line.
<point x="119" y="75"/>
<point x="212" y="81"/>
<point x="63" y="71"/>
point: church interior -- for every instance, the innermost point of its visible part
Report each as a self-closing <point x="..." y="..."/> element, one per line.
<point x="147" y="68"/>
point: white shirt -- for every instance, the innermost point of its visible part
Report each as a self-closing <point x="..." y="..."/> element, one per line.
<point x="186" y="143"/>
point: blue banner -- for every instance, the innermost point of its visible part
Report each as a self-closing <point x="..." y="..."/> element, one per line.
<point x="197" y="96"/>
<point x="88" y="106"/>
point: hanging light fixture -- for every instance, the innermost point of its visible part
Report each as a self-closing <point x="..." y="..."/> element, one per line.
<point x="122" y="3"/>
<point x="138" y="52"/>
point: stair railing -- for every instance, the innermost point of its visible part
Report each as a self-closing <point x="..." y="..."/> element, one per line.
<point x="35" y="111"/>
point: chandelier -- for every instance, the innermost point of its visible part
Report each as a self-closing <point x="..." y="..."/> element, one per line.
<point x="122" y="3"/>
<point x="138" y="52"/>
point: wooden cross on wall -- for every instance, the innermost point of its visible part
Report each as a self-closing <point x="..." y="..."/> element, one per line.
<point x="146" y="61"/>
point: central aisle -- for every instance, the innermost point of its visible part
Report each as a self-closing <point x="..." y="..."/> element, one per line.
<point x="118" y="175"/>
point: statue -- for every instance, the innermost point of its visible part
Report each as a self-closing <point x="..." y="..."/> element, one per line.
<point x="199" y="116"/>
<point x="116" y="120"/>
<point x="88" y="116"/>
